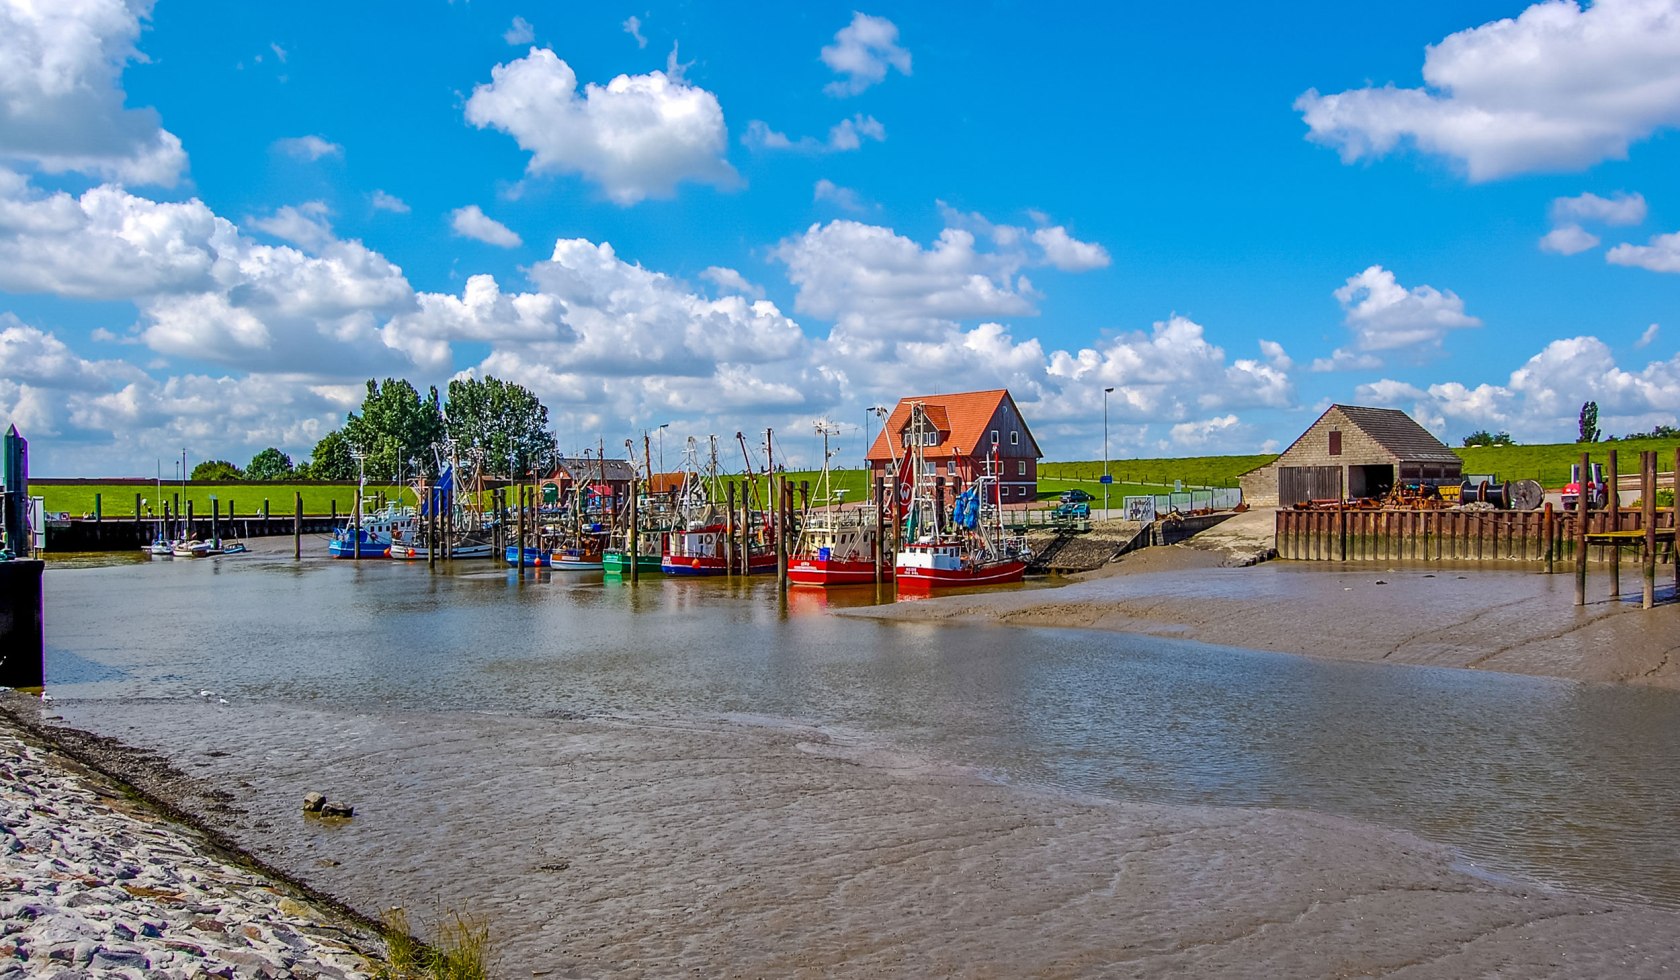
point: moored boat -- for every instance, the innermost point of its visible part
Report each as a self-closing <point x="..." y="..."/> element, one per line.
<point x="836" y="546"/>
<point x="967" y="546"/>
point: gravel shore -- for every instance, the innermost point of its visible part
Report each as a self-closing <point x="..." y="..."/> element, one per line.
<point x="94" y="883"/>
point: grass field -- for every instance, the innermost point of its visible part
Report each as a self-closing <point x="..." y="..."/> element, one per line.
<point x="1547" y="464"/>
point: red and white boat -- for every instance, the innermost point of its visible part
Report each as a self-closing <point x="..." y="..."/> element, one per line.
<point x="968" y="545"/>
<point x="836" y="546"/>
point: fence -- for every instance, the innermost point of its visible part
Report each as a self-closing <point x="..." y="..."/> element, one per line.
<point x="1148" y="508"/>
<point x="1445" y="535"/>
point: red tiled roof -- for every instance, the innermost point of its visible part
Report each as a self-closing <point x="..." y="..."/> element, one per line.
<point x="962" y="420"/>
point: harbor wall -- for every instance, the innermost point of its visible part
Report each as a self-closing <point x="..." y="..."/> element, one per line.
<point x="22" y="636"/>
<point x="1450" y="535"/>
<point x="77" y="534"/>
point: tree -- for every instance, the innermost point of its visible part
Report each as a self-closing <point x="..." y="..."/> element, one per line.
<point x="1589" y="423"/>
<point x="396" y="425"/>
<point x="1483" y="437"/>
<point x="216" y="469"/>
<point x="332" y="460"/>
<point x="270" y="464"/>
<point x="503" y="420"/>
<point x="1660" y="431"/>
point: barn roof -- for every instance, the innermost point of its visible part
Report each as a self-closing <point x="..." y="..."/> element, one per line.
<point x="584" y="469"/>
<point x="962" y="420"/>
<point x="1392" y="429"/>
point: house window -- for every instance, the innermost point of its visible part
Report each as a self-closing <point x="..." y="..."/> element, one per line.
<point x="994" y="437"/>
<point x="892" y="469"/>
<point x="1021" y="470"/>
<point x="1335" y="442"/>
<point x="930" y="437"/>
<point x="1014" y="438"/>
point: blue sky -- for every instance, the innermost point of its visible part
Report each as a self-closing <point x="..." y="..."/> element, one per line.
<point x="217" y="220"/>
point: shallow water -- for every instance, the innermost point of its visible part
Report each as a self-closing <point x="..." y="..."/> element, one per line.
<point x="1572" y="784"/>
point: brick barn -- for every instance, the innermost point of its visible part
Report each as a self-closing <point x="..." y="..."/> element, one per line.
<point x="970" y="431"/>
<point x="1351" y="452"/>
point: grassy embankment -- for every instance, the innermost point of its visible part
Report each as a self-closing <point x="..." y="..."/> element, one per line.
<point x="1547" y="464"/>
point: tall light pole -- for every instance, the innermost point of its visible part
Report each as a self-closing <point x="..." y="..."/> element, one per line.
<point x="1105" y="482"/>
<point x="662" y="427"/>
<point x="879" y="411"/>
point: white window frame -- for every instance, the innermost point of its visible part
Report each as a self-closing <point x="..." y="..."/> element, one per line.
<point x="1014" y="438"/>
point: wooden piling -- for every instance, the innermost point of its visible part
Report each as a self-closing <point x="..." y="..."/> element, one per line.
<point x="635" y="542"/>
<point x="519" y="545"/>
<point x="783" y="492"/>
<point x="1613" y="502"/>
<point x="1648" y="492"/>
<point x="1547" y="529"/>
<point x="1581" y="500"/>
<point x="297" y="524"/>
<point x="729" y="528"/>
<point x="1674" y="522"/>
<point x="880" y="529"/>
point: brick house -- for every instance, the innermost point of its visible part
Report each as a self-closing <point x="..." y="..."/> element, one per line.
<point x="1352" y="451"/>
<point x="963" y="435"/>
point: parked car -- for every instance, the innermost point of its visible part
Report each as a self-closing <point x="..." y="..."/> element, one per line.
<point x="1075" y="497"/>
<point x="1071" y="511"/>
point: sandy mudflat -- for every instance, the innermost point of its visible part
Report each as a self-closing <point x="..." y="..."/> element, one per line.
<point x="1506" y="617"/>
<point x="643" y="850"/>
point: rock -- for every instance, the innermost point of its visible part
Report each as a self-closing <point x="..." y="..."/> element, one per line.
<point x="337" y="808"/>
<point x="313" y="802"/>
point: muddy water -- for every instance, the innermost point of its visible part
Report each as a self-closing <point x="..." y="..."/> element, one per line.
<point x="443" y="700"/>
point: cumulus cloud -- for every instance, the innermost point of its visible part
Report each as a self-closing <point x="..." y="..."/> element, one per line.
<point x="729" y="279"/>
<point x="61" y="101"/>
<point x="633" y="27"/>
<point x="1620" y="208"/>
<point x="307" y="224"/>
<point x="845" y="198"/>
<point x="1661" y="255"/>
<point x="382" y="201"/>
<point x="1648" y="337"/>
<point x="1386" y="316"/>
<point x="862" y="52"/>
<point x="472" y="222"/>
<point x="1201" y="431"/>
<point x="519" y="33"/>
<point x="638" y="136"/>
<point x="845" y="136"/>
<point x="1568" y="239"/>
<point x="310" y="148"/>
<point x="1068" y="253"/>
<point x="1559" y="87"/>
<point x="1543" y="397"/>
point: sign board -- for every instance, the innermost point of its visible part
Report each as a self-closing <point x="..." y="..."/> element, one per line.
<point x="1106" y="478"/>
<point x="1140" y="509"/>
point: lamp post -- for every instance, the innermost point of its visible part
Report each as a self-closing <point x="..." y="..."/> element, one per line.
<point x="879" y="411"/>
<point x="662" y="427"/>
<point x="1106" y="393"/>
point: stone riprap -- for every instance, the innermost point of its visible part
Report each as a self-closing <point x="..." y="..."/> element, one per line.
<point x="93" y="884"/>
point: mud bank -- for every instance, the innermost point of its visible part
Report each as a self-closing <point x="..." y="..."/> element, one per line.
<point x="651" y="849"/>
<point x="1508" y="617"/>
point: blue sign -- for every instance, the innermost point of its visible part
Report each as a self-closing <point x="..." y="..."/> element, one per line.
<point x="1106" y="479"/>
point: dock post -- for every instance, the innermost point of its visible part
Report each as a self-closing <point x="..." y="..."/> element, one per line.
<point x="1341" y="531"/>
<point x="1613" y="500"/>
<point x="1674" y="522"/>
<point x="215" y="519"/>
<point x="98" y="508"/>
<point x="1581" y="500"/>
<point x="188" y="533"/>
<point x="748" y="488"/>
<point x="519" y="546"/>
<point x="22" y="636"/>
<point x="1548" y="528"/>
<point x="1648" y="492"/>
<point x="635" y="536"/>
<point x="729" y="530"/>
<point x="875" y="550"/>
<point x="297" y="524"/>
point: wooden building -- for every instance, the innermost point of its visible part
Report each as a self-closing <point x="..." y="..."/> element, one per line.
<point x="617" y="476"/>
<point x="1351" y="452"/>
<point x="975" y="432"/>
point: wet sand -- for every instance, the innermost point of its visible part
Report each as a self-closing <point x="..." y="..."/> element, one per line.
<point x="1507" y="617"/>
<point x="653" y="849"/>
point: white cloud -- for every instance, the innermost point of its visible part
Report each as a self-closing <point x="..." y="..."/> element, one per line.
<point x="1620" y="208"/>
<point x="1559" y="87"/>
<point x="845" y="136"/>
<point x="633" y="27"/>
<point x="1201" y="431"/>
<point x="309" y="148"/>
<point x="61" y="101"/>
<point x="1343" y="359"/>
<point x="1068" y="253"/>
<point x="1386" y="316"/>
<point x="1568" y="239"/>
<point x="1648" y="337"/>
<point x="279" y="52"/>
<point x="1543" y="397"/>
<point x="844" y="197"/>
<point x="306" y="225"/>
<point x="729" y="279"/>
<point x="863" y="51"/>
<point x="472" y="222"/>
<point x="637" y="137"/>
<point x="1662" y="255"/>
<point x="382" y="201"/>
<point x="520" y="32"/>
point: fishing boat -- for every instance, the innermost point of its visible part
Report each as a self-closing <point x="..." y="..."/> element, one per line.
<point x="970" y="546"/>
<point x="460" y="526"/>
<point x="705" y="542"/>
<point x="650" y="545"/>
<point x="835" y="546"/>
<point x="371" y="536"/>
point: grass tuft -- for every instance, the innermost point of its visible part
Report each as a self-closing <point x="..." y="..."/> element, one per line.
<point x="461" y="951"/>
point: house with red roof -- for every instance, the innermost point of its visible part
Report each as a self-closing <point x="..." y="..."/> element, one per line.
<point x="973" y="433"/>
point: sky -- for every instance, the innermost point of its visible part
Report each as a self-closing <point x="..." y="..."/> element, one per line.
<point x="217" y="220"/>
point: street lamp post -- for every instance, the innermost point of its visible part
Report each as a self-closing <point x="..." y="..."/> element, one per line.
<point x="661" y="430"/>
<point x="1106" y="484"/>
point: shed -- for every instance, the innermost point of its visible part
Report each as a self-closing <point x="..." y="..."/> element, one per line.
<point x="1353" y="451"/>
